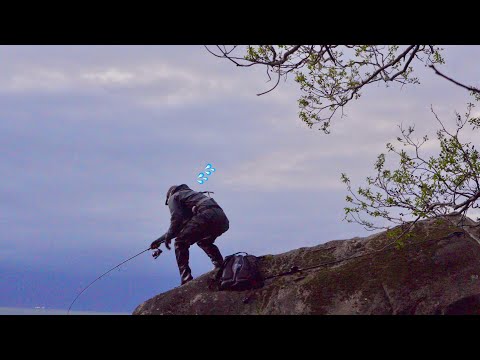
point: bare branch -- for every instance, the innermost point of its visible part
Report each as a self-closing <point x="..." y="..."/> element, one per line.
<point x="278" y="81"/>
<point x="470" y="88"/>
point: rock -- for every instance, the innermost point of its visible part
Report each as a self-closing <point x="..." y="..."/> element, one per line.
<point x="436" y="272"/>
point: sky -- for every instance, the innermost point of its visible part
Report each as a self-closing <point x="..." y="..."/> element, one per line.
<point x="92" y="137"/>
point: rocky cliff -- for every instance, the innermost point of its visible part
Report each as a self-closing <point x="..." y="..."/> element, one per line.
<point x="437" y="271"/>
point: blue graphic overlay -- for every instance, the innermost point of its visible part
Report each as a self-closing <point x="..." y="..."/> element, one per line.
<point x="203" y="176"/>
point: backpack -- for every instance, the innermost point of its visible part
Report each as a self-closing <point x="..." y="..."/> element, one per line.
<point x="239" y="272"/>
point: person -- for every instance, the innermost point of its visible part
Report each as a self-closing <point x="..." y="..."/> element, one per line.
<point x="195" y="219"/>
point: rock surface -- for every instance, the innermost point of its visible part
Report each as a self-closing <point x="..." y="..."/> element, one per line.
<point x="436" y="272"/>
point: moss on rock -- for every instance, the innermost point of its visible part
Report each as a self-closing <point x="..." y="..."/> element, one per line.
<point x="432" y="270"/>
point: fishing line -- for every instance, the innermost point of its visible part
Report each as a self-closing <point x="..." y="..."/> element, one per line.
<point x="68" y="312"/>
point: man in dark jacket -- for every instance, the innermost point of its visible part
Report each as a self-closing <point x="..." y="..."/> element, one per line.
<point x="195" y="218"/>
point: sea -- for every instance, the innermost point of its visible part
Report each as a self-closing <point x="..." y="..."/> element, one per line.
<point x="47" y="311"/>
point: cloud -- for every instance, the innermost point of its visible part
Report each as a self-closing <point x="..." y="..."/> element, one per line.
<point x="160" y="78"/>
<point x="109" y="76"/>
<point x="33" y="79"/>
<point x="282" y="171"/>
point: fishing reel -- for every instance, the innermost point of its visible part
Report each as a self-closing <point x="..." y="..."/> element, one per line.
<point x="157" y="253"/>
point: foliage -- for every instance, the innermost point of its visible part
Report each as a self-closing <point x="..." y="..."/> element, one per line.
<point x="420" y="187"/>
<point x="330" y="76"/>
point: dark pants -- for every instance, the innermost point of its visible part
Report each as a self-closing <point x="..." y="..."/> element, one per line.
<point x="202" y="229"/>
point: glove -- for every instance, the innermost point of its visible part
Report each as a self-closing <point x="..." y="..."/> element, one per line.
<point x="167" y="243"/>
<point x="157" y="242"/>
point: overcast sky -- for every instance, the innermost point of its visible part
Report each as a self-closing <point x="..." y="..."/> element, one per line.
<point x="92" y="137"/>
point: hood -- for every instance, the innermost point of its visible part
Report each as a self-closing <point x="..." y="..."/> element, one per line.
<point x="175" y="188"/>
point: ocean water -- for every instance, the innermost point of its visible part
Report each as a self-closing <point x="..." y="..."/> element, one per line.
<point x="44" y="311"/>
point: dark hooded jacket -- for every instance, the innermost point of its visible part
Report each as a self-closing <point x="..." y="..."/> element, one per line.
<point x="181" y="203"/>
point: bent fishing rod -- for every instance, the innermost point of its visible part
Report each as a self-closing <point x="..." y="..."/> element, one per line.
<point x="155" y="255"/>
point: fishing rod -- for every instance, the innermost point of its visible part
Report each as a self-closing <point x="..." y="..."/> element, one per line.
<point x="155" y="254"/>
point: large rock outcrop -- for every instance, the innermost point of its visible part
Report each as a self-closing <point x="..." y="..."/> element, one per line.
<point x="436" y="272"/>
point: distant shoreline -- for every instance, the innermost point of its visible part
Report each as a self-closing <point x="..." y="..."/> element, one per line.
<point x="46" y="311"/>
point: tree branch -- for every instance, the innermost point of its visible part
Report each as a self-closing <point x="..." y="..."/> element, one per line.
<point x="371" y="77"/>
<point x="471" y="88"/>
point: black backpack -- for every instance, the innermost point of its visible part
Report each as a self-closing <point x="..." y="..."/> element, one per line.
<point x="239" y="272"/>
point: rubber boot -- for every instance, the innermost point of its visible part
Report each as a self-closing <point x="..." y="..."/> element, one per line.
<point x="182" y="255"/>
